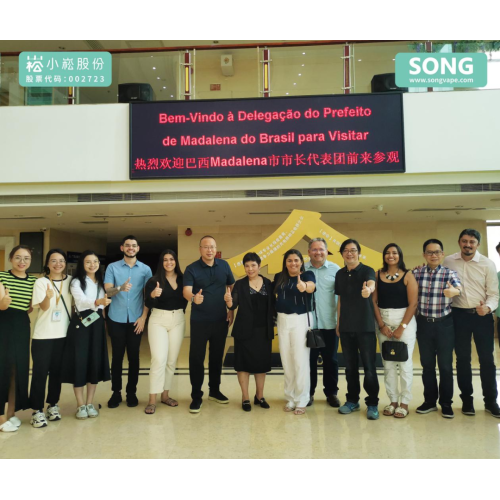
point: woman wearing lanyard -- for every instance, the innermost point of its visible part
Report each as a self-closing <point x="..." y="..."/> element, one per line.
<point x="293" y="288"/>
<point x="52" y="297"/>
<point x="86" y="354"/>
<point x="16" y="289"/>
<point x="166" y="327"/>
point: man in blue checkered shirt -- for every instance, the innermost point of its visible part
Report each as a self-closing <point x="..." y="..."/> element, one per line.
<point x="437" y="285"/>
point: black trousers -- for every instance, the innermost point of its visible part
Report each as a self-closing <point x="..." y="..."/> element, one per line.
<point x="215" y="334"/>
<point x="330" y="364"/>
<point x="47" y="357"/>
<point x="366" y="344"/>
<point x="123" y="338"/>
<point x="436" y="339"/>
<point x="482" y="328"/>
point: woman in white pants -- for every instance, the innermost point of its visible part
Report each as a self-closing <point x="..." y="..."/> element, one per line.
<point x="395" y="300"/>
<point x="166" y="327"/>
<point x="293" y="286"/>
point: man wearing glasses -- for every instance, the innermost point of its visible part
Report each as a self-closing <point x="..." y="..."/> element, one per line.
<point x="205" y="283"/>
<point x="125" y="281"/>
<point x="437" y="285"/>
<point x="473" y="315"/>
<point x="354" y="285"/>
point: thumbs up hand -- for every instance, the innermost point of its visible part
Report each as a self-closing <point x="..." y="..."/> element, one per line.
<point x="198" y="298"/>
<point x="450" y="291"/>
<point x="50" y="292"/>
<point x="5" y="302"/>
<point x="103" y="302"/>
<point x="365" y="291"/>
<point x="301" y="286"/>
<point x="157" y="291"/>
<point x="482" y="309"/>
<point x="126" y="286"/>
<point x="228" y="297"/>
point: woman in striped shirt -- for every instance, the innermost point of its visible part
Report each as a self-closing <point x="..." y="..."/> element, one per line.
<point x="16" y="290"/>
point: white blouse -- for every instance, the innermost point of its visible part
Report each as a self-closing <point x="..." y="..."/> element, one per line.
<point x="86" y="300"/>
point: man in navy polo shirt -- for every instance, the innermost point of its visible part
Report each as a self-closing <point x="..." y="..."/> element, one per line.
<point x="205" y="283"/>
<point x="125" y="281"/>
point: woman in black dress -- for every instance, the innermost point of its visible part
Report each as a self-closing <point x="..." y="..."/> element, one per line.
<point x="16" y="290"/>
<point x="253" y="330"/>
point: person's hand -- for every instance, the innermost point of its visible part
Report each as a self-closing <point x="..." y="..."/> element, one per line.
<point x="385" y="330"/>
<point x="365" y="291"/>
<point x="139" y="325"/>
<point x="228" y="297"/>
<point x="104" y="301"/>
<point x="450" y="291"/>
<point x="398" y="332"/>
<point x="482" y="309"/>
<point x="126" y="286"/>
<point x="157" y="291"/>
<point x="301" y="286"/>
<point x="198" y="298"/>
<point x="337" y="330"/>
<point x="50" y="292"/>
<point x="7" y="299"/>
<point x="229" y="318"/>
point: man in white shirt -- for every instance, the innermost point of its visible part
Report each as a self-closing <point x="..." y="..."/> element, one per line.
<point x="472" y="315"/>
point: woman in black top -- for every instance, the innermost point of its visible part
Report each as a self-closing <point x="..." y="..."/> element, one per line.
<point x="253" y="330"/>
<point x="395" y="302"/>
<point x="166" y="327"/>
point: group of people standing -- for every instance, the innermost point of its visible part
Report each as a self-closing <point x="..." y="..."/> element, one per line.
<point x="440" y="305"/>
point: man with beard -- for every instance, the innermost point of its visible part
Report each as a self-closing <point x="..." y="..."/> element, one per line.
<point x="125" y="281"/>
<point x="472" y="315"/>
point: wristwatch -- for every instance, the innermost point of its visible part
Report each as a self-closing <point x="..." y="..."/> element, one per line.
<point x="119" y="288"/>
<point x="404" y="325"/>
<point x="192" y="299"/>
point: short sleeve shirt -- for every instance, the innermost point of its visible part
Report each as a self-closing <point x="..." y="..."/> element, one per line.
<point x="127" y="307"/>
<point x="212" y="280"/>
<point x="45" y="327"/>
<point x="20" y="289"/>
<point x="356" y="312"/>
<point x="289" y="300"/>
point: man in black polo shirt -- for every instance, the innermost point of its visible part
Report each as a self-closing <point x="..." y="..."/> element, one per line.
<point x="205" y="283"/>
<point x="354" y="285"/>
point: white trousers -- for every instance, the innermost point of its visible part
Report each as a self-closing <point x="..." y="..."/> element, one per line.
<point x="292" y="329"/>
<point x="165" y="334"/>
<point x="393" y="318"/>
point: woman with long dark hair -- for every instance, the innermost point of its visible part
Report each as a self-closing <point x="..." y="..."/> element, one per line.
<point x="253" y="330"/>
<point x="293" y="288"/>
<point x="16" y="290"/>
<point x="86" y="355"/>
<point x="395" y="301"/>
<point x="52" y="298"/>
<point x="166" y="327"/>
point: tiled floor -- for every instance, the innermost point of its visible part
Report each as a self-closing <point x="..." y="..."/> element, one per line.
<point x="225" y="431"/>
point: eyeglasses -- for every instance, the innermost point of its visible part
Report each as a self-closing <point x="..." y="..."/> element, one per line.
<point x="209" y="248"/>
<point x="130" y="246"/>
<point x="90" y="263"/>
<point x="436" y="252"/>
<point x="57" y="262"/>
<point x="352" y="250"/>
<point x="22" y="259"/>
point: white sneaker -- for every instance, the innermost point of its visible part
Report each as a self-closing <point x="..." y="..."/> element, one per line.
<point x="38" y="420"/>
<point x="53" y="413"/>
<point x="8" y="427"/>
<point x="81" y="413"/>
<point x="15" y="421"/>
<point x="92" y="412"/>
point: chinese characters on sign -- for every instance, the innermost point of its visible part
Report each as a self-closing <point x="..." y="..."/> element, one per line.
<point x="65" y="69"/>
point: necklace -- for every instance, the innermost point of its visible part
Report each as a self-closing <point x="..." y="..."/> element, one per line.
<point x="393" y="277"/>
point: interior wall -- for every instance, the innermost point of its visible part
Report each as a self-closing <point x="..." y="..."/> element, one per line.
<point x="2" y="260"/>
<point x="70" y="242"/>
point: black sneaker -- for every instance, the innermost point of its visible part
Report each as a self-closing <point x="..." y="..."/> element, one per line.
<point x="218" y="396"/>
<point x="468" y="409"/>
<point x="311" y="401"/>
<point x="195" y="406"/>
<point x="447" y="412"/>
<point x="426" y="407"/>
<point x="333" y="401"/>
<point x="115" y="400"/>
<point x="493" y="409"/>
<point x="132" y="400"/>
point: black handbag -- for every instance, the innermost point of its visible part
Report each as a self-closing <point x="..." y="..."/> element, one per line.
<point x="314" y="339"/>
<point x="395" y="351"/>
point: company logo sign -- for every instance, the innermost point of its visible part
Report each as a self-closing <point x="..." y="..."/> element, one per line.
<point x="441" y="70"/>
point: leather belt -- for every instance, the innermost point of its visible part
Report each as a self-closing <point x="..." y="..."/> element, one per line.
<point x="463" y="309"/>
<point x="434" y="320"/>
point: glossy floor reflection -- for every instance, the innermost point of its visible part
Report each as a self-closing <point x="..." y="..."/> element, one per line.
<point x="225" y="431"/>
